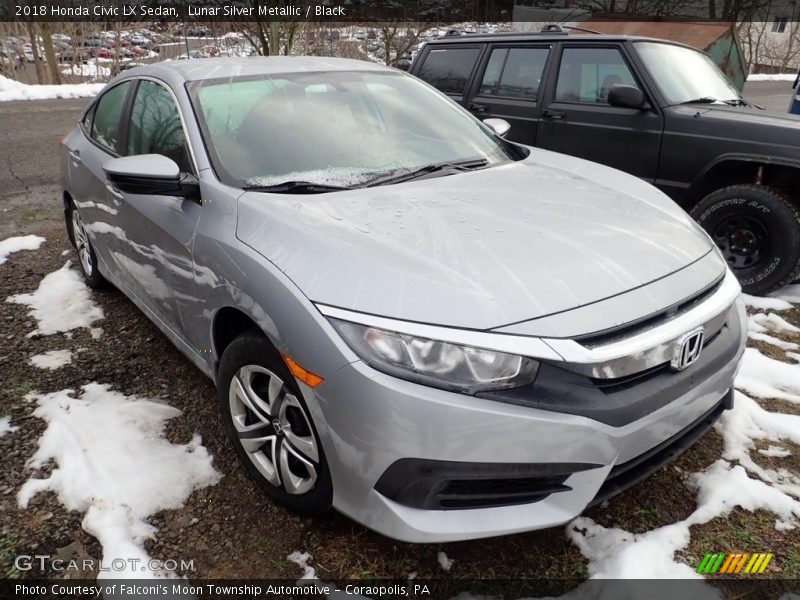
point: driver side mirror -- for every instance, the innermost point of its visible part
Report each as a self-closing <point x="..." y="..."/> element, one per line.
<point x="500" y="126"/>
<point x="153" y="174"/>
<point x="626" y="96"/>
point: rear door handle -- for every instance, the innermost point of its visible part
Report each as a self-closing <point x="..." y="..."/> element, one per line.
<point x="478" y="108"/>
<point x="554" y="114"/>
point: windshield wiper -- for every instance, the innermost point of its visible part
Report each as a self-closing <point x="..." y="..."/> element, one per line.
<point x="703" y="100"/>
<point x="464" y="165"/>
<point x="742" y="102"/>
<point x="296" y="187"/>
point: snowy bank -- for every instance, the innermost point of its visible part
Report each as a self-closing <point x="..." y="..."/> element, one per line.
<point x="14" y="90"/>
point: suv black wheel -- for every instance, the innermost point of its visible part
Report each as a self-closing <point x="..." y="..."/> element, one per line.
<point x="87" y="259"/>
<point x="758" y="232"/>
<point x="270" y="426"/>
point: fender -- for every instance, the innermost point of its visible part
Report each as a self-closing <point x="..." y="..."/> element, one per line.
<point x="760" y="159"/>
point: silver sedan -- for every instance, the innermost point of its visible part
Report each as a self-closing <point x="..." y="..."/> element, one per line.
<point x="437" y="331"/>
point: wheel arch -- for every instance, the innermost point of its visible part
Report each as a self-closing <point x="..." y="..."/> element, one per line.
<point x="781" y="174"/>
<point x="229" y="323"/>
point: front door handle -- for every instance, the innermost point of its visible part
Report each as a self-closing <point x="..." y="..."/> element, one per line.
<point x="554" y="114"/>
<point x="75" y="155"/>
<point x="478" y="108"/>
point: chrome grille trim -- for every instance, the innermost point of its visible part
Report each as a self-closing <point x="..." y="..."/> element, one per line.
<point x="652" y="347"/>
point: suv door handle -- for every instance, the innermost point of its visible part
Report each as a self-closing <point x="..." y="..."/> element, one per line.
<point x="479" y="108"/>
<point x="75" y="155"/>
<point x="554" y="114"/>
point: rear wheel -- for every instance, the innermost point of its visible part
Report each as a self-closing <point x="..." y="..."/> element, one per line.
<point x="270" y="426"/>
<point x="86" y="255"/>
<point x="758" y="232"/>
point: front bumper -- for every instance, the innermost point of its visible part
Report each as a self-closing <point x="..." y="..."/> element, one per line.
<point x="373" y="420"/>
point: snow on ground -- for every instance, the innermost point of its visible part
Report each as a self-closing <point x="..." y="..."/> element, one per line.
<point x="6" y="427"/>
<point x="444" y="561"/>
<point x="772" y="77"/>
<point x="53" y="359"/>
<point x="17" y="243"/>
<point x="789" y="293"/>
<point x="14" y="90"/>
<point x="765" y="377"/>
<point x="114" y="465"/>
<point x="62" y="302"/>
<point x="762" y="303"/>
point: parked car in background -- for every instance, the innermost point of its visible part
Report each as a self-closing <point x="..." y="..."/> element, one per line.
<point x="440" y="333"/>
<point x="659" y="110"/>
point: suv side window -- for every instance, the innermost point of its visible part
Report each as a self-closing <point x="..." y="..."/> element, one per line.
<point x="155" y="125"/>
<point x="448" y="69"/>
<point x="514" y="73"/>
<point x="587" y="74"/>
<point x="105" y="125"/>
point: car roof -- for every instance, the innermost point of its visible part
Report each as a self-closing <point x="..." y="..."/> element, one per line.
<point x="199" y="69"/>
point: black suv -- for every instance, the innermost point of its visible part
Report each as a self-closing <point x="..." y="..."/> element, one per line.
<point x="656" y="109"/>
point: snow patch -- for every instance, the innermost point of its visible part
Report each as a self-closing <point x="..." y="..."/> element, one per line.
<point x="771" y="322"/>
<point x="114" y="465"/>
<point x="61" y="303"/>
<point x="17" y="243"/>
<point x="789" y="293"/>
<point x="6" y="427"/>
<point x="96" y="332"/>
<point x="772" y="77"/>
<point x="765" y="303"/>
<point x="768" y="378"/>
<point x="776" y="451"/>
<point x="14" y="90"/>
<point x="444" y="562"/>
<point x="53" y="359"/>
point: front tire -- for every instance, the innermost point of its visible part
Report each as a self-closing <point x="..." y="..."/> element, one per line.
<point x="268" y="422"/>
<point x="758" y="232"/>
<point x="87" y="259"/>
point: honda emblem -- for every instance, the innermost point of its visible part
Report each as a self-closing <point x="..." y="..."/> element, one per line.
<point x="688" y="349"/>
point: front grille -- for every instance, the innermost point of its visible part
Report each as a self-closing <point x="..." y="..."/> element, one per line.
<point x="623" y="332"/>
<point x="622" y="383"/>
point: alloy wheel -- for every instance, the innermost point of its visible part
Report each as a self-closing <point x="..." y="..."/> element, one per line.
<point x="274" y="429"/>
<point x="82" y="243"/>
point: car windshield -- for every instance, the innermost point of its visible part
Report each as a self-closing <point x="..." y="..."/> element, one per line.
<point x="685" y="75"/>
<point x="336" y="129"/>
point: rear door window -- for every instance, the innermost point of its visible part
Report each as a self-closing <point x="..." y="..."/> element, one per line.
<point x="587" y="74"/>
<point x="449" y="69"/>
<point x="105" y="125"/>
<point x="514" y="73"/>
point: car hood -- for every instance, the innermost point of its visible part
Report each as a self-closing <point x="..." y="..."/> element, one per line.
<point x="479" y="249"/>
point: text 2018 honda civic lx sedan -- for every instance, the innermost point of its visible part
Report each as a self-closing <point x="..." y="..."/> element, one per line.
<point x="441" y="334"/>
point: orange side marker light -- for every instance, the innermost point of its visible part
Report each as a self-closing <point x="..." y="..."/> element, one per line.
<point x="307" y="377"/>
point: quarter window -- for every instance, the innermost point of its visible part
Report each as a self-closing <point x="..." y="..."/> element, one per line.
<point x="588" y="74"/>
<point x="105" y="126"/>
<point x="514" y="73"/>
<point x="155" y="126"/>
<point x="449" y="69"/>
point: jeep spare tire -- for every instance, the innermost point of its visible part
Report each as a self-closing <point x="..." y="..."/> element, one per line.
<point x="758" y="232"/>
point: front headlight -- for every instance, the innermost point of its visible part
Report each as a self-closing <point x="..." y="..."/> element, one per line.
<point x="436" y="363"/>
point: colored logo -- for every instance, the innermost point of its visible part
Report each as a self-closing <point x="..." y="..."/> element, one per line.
<point x="739" y="563"/>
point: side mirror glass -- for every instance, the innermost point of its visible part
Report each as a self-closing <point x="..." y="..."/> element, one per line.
<point x="500" y="126"/>
<point x="152" y="174"/>
<point x="626" y="96"/>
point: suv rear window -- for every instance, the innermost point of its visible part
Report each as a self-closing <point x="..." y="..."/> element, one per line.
<point x="448" y="69"/>
<point x="514" y="73"/>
